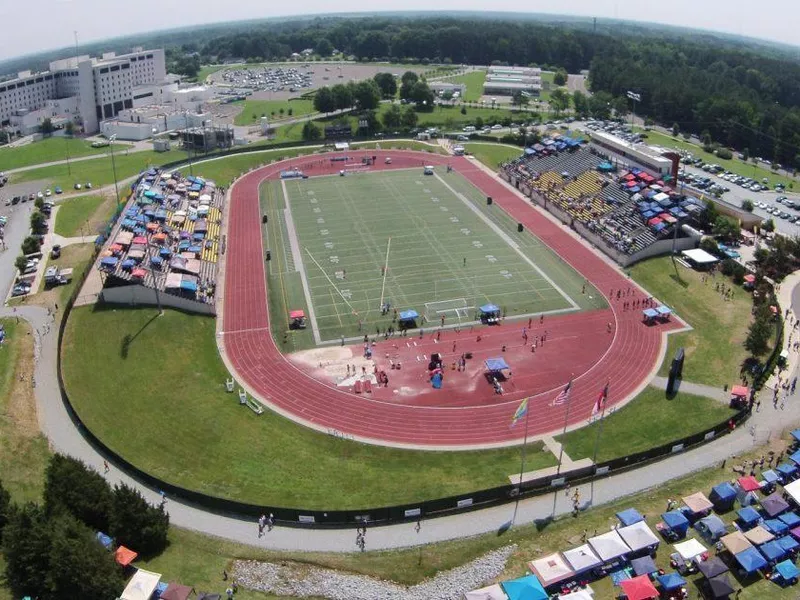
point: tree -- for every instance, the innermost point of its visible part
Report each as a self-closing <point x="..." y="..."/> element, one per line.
<point x="559" y="101"/>
<point x="726" y="228"/>
<point x="747" y="205"/>
<point x="69" y="128"/>
<point x="768" y="225"/>
<point x="30" y="245"/>
<point x="407" y="82"/>
<point x="38" y="223"/>
<point x="724" y="153"/>
<point x="367" y="95"/>
<point x="463" y="110"/>
<point x="38" y="203"/>
<point x="560" y="77"/>
<point x="519" y="99"/>
<point x="675" y="130"/>
<point x="746" y="154"/>
<point x="137" y="524"/>
<point x="758" y="336"/>
<point x="368" y="121"/>
<point x="324" y="48"/>
<point x="324" y="100"/>
<point x="707" y="141"/>
<point x="600" y="105"/>
<point x="5" y="507"/>
<point x="343" y="96"/>
<point x="409" y="118"/>
<point x="387" y="84"/>
<point x="393" y="117"/>
<point x="478" y="123"/>
<point x="46" y="127"/>
<point x="71" y="486"/>
<point x="20" y="263"/>
<point x="26" y="549"/>
<point x="421" y="95"/>
<point x="311" y="132"/>
<point x="580" y="102"/>
<point x="620" y="105"/>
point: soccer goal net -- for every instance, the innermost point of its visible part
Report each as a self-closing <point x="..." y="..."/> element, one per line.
<point x="451" y="309"/>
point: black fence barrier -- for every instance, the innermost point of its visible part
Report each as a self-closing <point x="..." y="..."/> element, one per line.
<point x="438" y="507"/>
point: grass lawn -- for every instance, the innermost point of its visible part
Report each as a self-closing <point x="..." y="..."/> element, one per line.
<point x="714" y="351"/>
<point x="492" y="155"/>
<point x="83" y="215"/>
<point x="746" y="169"/>
<point x="254" y="109"/>
<point x="649" y="421"/>
<point x="77" y="257"/>
<point x="208" y="70"/>
<point x="99" y="172"/>
<point x="204" y="454"/>
<point x="49" y="150"/>
<point x="474" y="82"/>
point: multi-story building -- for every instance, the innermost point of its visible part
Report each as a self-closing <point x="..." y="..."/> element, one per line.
<point x="103" y="87"/>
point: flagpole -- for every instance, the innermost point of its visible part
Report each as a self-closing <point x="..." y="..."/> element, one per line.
<point x="522" y="464"/>
<point x="566" y="421"/>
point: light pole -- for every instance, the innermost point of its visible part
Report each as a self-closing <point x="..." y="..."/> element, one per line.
<point x="111" y="140"/>
<point x="636" y="98"/>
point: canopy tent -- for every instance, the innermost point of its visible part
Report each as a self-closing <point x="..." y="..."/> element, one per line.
<point x="492" y="592"/>
<point x="787" y="570"/>
<point x="551" y="569"/>
<point x="408" y="315"/>
<point x="639" y="588"/>
<point x="524" y="588"/>
<point x="795" y="533"/>
<point x="698" y="503"/>
<point x="711" y="528"/>
<point x="793" y="489"/>
<point x="748" y="516"/>
<point x="629" y="516"/>
<point x="748" y="483"/>
<point x="176" y="591"/>
<point x="772" y="551"/>
<point x="740" y="391"/>
<point x="712" y="567"/>
<point x="489" y="309"/>
<point x="771" y="476"/>
<point x="609" y="546"/>
<point x="758" y="535"/>
<point x="750" y="560"/>
<point x="105" y="540"/>
<point x="735" y="542"/>
<point x="689" y="549"/>
<point x="643" y="565"/>
<point x="582" y="558"/>
<point x="720" y="586"/>
<point x="775" y="526"/>
<point x="496" y="364"/>
<point x="650" y="313"/>
<point x="124" y="556"/>
<point x="723" y="496"/>
<point x="791" y="519"/>
<point x="676" y="521"/>
<point x="786" y="469"/>
<point x="577" y="594"/>
<point x="141" y="585"/>
<point x="796" y="434"/>
<point x="788" y="543"/>
<point x="795" y="458"/>
<point x="638" y="536"/>
<point x="774" y="504"/>
<point x="671" y="581"/>
<point x="700" y="256"/>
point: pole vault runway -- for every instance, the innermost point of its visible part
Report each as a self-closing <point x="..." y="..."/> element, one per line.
<point x="578" y="345"/>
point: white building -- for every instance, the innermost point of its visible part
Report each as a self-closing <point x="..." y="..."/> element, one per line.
<point x="505" y="81"/>
<point x="102" y="86"/>
<point x="139" y="123"/>
<point x="638" y="154"/>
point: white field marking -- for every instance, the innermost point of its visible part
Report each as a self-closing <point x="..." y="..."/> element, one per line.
<point x="385" y="268"/>
<point x="514" y="246"/>
<point x="333" y="285"/>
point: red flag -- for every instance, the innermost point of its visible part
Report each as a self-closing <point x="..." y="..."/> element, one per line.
<point x="600" y="403"/>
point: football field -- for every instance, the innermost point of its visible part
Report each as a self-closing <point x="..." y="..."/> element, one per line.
<point x="409" y="241"/>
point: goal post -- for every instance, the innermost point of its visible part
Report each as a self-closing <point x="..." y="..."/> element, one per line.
<point x="456" y="308"/>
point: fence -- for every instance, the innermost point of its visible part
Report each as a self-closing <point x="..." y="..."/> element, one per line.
<point x="300" y="517"/>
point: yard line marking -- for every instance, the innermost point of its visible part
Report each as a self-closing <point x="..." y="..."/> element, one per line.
<point x="333" y="285"/>
<point x="335" y="307"/>
<point x="385" y="267"/>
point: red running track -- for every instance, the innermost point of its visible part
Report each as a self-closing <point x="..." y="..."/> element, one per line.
<point x="623" y="358"/>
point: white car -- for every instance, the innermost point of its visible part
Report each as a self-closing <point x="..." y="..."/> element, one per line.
<point x="40" y="195"/>
<point x="497" y="127"/>
<point x="48" y="192"/>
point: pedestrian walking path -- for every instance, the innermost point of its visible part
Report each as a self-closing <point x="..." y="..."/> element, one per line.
<point x="698" y="389"/>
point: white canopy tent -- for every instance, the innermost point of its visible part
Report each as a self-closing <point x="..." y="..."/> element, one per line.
<point x="551" y="569"/>
<point x="492" y="592"/>
<point x="638" y="536"/>
<point x="609" y="546"/>
<point x="141" y="586"/>
<point x="582" y="558"/>
<point x="689" y="549"/>
<point x="793" y="489"/>
<point x="700" y="256"/>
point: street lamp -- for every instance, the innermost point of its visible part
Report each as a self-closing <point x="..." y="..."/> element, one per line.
<point x="111" y="140"/>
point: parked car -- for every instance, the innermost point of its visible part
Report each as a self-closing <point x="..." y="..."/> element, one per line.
<point x="48" y="192"/>
<point x="21" y="289"/>
<point x="58" y="190"/>
<point x="88" y="185"/>
<point x="78" y="186"/>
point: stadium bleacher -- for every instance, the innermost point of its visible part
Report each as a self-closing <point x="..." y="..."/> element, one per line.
<point x="629" y="210"/>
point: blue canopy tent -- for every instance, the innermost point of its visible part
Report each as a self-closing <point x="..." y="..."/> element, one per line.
<point x="676" y="522"/>
<point x="649" y="314"/>
<point x="164" y="253"/>
<point x="128" y="264"/>
<point x="775" y="526"/>
<point x="524" y="588"/>
<point x="772" y="551"/>
<point x="751" y="560"/>
<point x="748" y="517"/>
<point x="156" y="261"/>
<point x="711" y="528"/>
<point x="723" y="496"/>
<point x="408" y="316"/>
<point x="496" y="364"/>
<point x="671" y="581"/>
<point x="105" y="540"/>
<point x="788" y="543"/>
<point x="795" y="458"/>
<point x="109" y="262"/>
<point x="629" y="516"/>
<point x="771" y="476"/>
<point x="188" y="285"/>
<point x="644" y="565"/>
<point x="786" y="572"/>
<point x="659" y="227"/>
<point x="786" y="470"/>
<point x="605" y="167"/>
<point x="791" y="519"/>
<point x="489" y="313"/>
<point x="796" y="435"/>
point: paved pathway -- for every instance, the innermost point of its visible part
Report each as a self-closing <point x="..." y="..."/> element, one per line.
<point x="698" y="389"/>
<point x="65" y="437"/>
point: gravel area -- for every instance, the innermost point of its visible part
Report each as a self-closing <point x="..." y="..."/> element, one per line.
<point x="303" y="581"/>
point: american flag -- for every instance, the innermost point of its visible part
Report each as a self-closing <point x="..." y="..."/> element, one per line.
<point x="563" y="396"/>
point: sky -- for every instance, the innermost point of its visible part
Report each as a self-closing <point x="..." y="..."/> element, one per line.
<point x="51" y="23"/>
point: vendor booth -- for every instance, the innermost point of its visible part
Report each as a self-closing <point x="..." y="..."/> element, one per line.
<point x="489" y="314"/>
<point x="407" y="319"/>
<point x="297" y="319"/>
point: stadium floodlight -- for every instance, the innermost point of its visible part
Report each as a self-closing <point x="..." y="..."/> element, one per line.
<point x="634" y="96"/>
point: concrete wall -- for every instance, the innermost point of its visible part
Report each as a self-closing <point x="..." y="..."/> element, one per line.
<point x="139" y="295"/>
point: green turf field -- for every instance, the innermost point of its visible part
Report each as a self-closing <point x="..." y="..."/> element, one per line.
<point x="445" y="254"/>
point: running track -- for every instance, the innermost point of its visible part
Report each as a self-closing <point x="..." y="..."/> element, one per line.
<point x="623" y="359"/>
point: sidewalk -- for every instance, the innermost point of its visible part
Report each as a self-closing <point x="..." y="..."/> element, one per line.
<point x="785" y="291"/>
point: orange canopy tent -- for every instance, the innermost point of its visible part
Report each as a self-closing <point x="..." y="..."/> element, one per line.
<point x="740" y="391"/>
<point x="124" y="556"/>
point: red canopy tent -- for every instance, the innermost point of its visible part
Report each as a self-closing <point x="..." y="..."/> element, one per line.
<point x="139" y="273"/>
<point x="749" y="483"/>
<point x="750" y="278"/>
<point x="639" y="588"/>
<point x="654" y="221"/>
<point x="139" y="240"/>
<point x="631" y="184"/>
<point x="124" y="556"/>
<point x="629" y="177"/>
<point x="741" y="391"/>
<point x="176" y="591"/>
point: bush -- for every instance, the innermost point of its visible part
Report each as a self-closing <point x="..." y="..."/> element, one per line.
<point x="747" y="205"/>
<point x="20" y="263"/>
<point x="709" y="244"/>
<point x="733" y="269"/>
<point x="724" y="153"/>
<point x="73" y="487"/>
<point x="31" y="244"/>
<point x="137" y="524"/>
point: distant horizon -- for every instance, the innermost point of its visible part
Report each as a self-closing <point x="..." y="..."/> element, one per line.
<point x="89" y="32"/>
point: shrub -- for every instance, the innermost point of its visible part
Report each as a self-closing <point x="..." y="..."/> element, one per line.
<point x="724" y="153"/>
<point x="137" y="524"/>
<point x="73" y="487"/>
